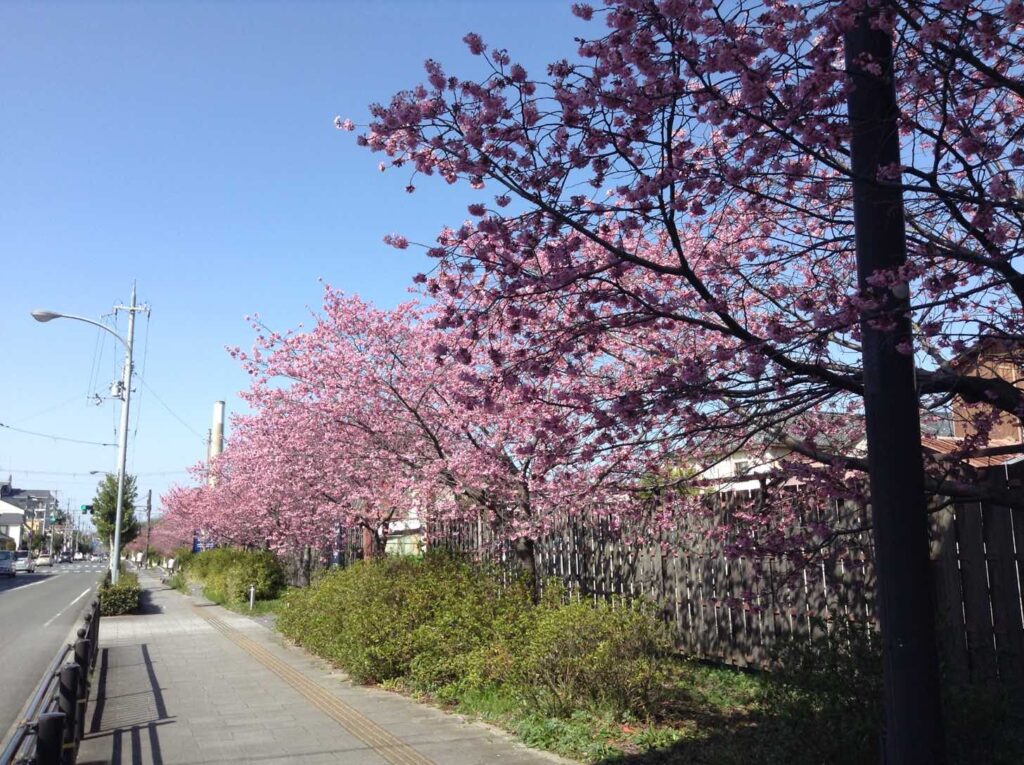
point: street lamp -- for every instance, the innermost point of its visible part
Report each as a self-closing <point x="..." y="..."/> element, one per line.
<point x="126" y="389"/>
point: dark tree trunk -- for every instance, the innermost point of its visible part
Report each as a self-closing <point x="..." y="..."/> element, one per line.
<point x="305" y="565"/>
<point x="526" y="554"/>
<point x="374" y="543"/>
<point x="913" y="720"/>
<point x="369" y="544"/>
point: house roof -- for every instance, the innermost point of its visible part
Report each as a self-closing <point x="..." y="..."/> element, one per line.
<point x="22" y="498"/>
<point x="949" y="445"/>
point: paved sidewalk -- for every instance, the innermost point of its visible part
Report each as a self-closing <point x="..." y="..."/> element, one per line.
<point x="190" y="682"/>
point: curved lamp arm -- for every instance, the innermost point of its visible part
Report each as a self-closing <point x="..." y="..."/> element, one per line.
<point x="45" y="316"/>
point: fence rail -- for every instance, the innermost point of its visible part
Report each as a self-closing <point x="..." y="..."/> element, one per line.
<point x="54" y="720"/>
<point x="738" y="609"/>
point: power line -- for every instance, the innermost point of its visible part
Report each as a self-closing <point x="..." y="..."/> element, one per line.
<point x="49" y="409"/>
<point x="78" y="473"/>
<point x="55" y="438"/>
<point x="140" y="398"/>
<point x="172" y="412"/>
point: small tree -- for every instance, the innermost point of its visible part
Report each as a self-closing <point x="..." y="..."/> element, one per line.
<point x="103" y="509"/>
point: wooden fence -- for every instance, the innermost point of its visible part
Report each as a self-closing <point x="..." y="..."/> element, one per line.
<point x="736" y="610"/>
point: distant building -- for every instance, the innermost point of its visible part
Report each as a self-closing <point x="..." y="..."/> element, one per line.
<point x="23" y="511"/>
<point x="744" y="469"/>
<point x="990" y="358"/>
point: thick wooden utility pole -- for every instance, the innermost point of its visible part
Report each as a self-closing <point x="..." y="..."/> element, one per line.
<point x="913" y="719"/>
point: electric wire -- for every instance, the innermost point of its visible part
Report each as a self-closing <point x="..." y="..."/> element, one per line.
<point x="142" y="376"/>
<point x="83" y="473"/>
<point x="48" y="409"/>
<point x="53" y="437"/>
<point x="94" y="366"/>
<point x="163" y="403"/>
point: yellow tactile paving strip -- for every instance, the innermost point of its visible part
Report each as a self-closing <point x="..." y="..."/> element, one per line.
<point x="383" y="743"/>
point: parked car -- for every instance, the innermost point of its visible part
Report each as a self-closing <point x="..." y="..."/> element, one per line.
<point x="43" y="560"/>
<point x="23" y="561"/>
<point x="7" y="563"/>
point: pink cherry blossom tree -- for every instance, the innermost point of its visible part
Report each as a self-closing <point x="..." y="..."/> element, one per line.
<point x="770" y="182"/>
<point x="406" y="424"/>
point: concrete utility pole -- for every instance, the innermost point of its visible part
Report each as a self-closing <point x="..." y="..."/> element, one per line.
<point x="124" y="393"/>
<point x="913" y="719"/>
<point x="149" y="525"/>
<point x="122" y="441"/>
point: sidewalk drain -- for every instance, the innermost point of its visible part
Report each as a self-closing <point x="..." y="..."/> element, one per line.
<point x="383" y="743"/>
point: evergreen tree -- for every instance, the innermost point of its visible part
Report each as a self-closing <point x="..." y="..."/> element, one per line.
<point x="103" y="510"/>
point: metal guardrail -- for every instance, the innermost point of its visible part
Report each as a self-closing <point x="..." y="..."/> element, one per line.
<point x="54" y="720"/>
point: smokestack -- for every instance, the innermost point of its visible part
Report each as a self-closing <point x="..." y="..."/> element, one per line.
<point x="217" y="437"/>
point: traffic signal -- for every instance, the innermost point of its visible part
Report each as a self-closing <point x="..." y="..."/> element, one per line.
<point x="86" y="509"/>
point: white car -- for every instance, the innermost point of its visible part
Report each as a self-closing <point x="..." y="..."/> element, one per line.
<point x="23" y="561"/>
<point x="44" y="560"/>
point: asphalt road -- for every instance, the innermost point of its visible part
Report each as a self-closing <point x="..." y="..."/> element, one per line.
<point x="37" y="612"/>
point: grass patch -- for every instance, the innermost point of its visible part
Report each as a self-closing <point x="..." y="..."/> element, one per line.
<point x="260" y="607"/>
<point x="178" y="582"/>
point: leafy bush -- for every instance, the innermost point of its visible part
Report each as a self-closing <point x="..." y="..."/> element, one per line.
<point x="608" y="656"/>
<point x="411" y="618"/>
<point x="226" y="573"/>
<point x="177" y="581"/>
<point x="832" y="683"/>
<point x="182" y="557"/>
<point x="122" y="598"/>
<point x="441" y="625"/>
<point x="472" y="627"/>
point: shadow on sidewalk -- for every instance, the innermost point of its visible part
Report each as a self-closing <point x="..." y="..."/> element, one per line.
<point x="147" y="607"/>
<point x="130" y="707"/>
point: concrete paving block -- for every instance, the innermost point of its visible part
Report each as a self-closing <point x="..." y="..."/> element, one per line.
<point x="203" y="685"/>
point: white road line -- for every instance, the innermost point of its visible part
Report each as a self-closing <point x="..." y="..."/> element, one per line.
<point x="68" y="606"/>
<point x="26" y="586"/>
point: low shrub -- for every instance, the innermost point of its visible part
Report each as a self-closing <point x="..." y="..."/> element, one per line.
<point x="602" y="682"/>
<point x="608" y="656"/>
<point x="122" y="598"/>
<point x="443" y="626"/>
<point x="226" y="573"/>
<point x="412" y="618"/>
<point x="831" y="683"/>
<point x="177" y="581"/>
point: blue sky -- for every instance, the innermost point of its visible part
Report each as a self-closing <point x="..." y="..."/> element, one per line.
<point x="191" y="146"/>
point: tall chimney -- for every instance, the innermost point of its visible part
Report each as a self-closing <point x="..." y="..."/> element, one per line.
<point x="217" y="437"/>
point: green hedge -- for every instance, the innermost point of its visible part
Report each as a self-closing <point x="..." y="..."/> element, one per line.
<point x="440" y="625"/>
<point x="122" y="598"/>
<point x="226" y="573"/>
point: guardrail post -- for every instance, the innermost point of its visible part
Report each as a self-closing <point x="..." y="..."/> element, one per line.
<point x="50" y="738"/>
<point x="83" y="655"/>
<point x="67" y="702"/>
<point x="93" y="627"/>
